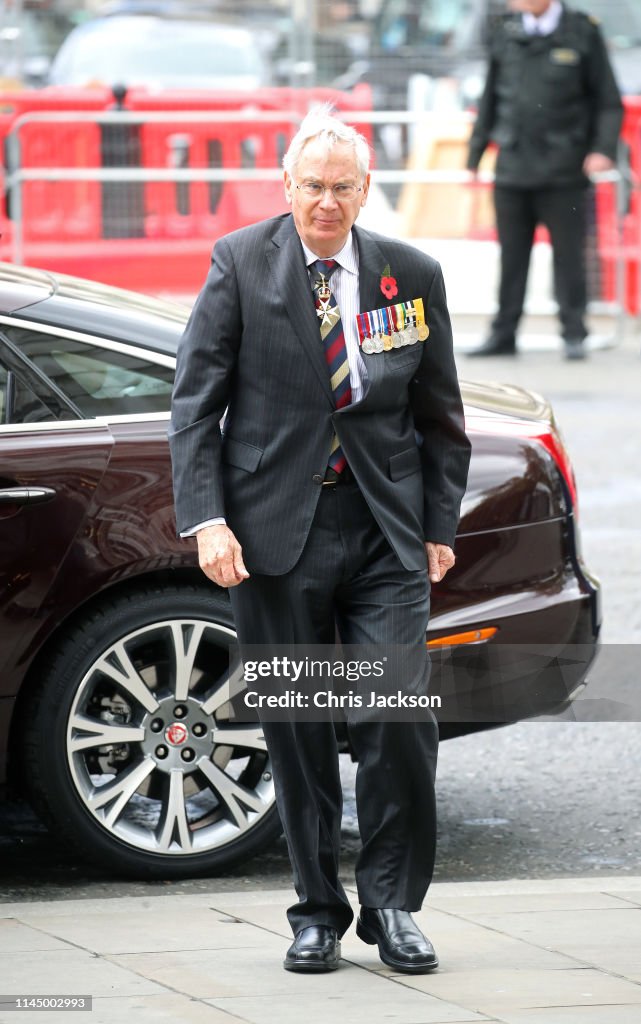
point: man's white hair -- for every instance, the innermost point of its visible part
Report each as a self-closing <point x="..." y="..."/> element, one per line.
<point x="320" y="123"/>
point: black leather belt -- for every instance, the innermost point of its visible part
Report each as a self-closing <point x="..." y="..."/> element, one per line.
<point x="334" y="479"/>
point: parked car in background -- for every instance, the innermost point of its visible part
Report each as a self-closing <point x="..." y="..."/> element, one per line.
<point x="160" y="53"/>
<point x="116" y="714"/>
<point x="30" y="34"/>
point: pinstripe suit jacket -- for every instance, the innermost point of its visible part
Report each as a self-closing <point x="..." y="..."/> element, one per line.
<point x="252" y="346"/>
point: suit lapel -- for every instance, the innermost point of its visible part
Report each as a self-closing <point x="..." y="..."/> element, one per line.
<point x="287" y="264"/>
<point x="371" y="263"/>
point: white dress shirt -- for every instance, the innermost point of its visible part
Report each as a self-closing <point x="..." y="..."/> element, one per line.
<point x="344" y="286"/>
<point x="546" y="24"/>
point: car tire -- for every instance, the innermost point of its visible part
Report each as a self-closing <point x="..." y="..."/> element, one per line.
<point x="132" y="752"/>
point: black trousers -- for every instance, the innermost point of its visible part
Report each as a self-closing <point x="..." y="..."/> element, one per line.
<point x="349" y="576"/>
<point x="562" y="211"/>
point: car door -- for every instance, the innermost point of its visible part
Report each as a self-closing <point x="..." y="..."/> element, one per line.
<point x="51" y="462"/>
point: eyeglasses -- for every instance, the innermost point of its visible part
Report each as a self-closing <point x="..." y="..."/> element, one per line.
<point x="342" y="193"/>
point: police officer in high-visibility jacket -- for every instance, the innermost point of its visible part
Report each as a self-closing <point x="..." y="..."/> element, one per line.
<point x="552" y="106"/>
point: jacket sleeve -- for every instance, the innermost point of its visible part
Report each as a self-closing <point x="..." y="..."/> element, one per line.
<point x="206" y="360"/>
<point x="607" y="109"/>
<point x="436" y="404"/>
<point x="482" y="130"/>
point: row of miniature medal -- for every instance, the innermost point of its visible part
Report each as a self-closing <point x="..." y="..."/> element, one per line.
<point x="380" y="330"/>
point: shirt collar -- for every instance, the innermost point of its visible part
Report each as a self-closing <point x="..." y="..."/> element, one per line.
<point x="347" y="258"/>
<point x="547" y="23"/>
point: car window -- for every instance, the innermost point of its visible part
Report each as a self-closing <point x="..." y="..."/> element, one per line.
<point x="99" y="381"/>
<point x="18" y="403"/>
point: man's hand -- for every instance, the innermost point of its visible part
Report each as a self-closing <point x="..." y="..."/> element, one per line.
<point x="220" y="556"/>
<point x="440" y="558"/>
<point x="597" y="163"/>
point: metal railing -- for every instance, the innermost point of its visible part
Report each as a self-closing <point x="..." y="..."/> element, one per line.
<point x="177" y="172"/>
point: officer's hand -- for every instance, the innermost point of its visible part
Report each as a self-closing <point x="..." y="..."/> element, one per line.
<point x="440" y="558"/>
<point x="597" y="163"/>
<point x="220" y="556"/>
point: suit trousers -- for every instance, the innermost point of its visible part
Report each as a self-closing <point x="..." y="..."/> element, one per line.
<point x="562" y="211"/>
<point x="349" y="577"/>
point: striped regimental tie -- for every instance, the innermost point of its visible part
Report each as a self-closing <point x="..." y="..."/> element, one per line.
<point x="331" y="331"/>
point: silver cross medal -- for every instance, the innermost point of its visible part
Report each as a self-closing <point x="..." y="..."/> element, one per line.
<point x="327" y="315"/>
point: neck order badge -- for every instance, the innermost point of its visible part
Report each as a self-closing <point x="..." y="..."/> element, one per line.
<point x="331" y="332"/>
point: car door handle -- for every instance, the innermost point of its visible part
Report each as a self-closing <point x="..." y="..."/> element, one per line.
<point x="25" y="495"/>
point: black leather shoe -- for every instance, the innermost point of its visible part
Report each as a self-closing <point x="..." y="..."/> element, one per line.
<point x="495" y="347"/>
<point x="315" y="948"/>
<point x="401" y="943"/>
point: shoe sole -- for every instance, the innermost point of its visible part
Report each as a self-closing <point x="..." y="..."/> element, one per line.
<point x="305" y="967"/>
<point x="371" y="939"/>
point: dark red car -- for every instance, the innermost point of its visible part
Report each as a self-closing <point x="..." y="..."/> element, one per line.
<point x="115" y="712"/>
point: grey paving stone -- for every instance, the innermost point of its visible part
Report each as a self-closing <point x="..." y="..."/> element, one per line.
<point x="140" y="1009"/>
<point x="575" y="1015"/>
<point x="16" y="937"/>
<point x="172" y="1009"/>
<point x="198" y="901"/>
<point x="494" y="991"/>
<point x="630" y="896"/>
<point x="268" y="916"/>
<point x="70" y="972"/>
<point x="608" y="939"/>
<point x="395" y="1005"/>
<point x="476" y="908"/>
<point x="136" y="930"/>
<point x="211" y="973"/>
<point x="528" y="886"/>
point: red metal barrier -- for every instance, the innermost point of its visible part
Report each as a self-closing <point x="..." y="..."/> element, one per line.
<point x="53" y="210"/>
<point x="158" y="235"/>
<point x="619" y="237"/>
<point x="149" y="235"/>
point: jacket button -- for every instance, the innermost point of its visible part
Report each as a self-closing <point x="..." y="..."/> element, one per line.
<point x="317" y="478"/>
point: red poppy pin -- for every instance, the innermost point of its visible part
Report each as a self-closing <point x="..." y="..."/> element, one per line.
<point x="389" y="287"/>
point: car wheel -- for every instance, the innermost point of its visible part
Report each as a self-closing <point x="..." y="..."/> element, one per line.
<point x="133" y="752"/>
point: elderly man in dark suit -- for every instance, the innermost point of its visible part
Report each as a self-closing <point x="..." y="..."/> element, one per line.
<point x="330" y="498"/>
